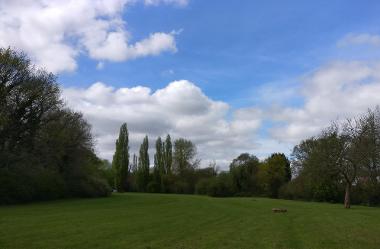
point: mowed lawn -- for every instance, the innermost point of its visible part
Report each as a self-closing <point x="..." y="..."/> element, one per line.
<point x="183" y="221"/>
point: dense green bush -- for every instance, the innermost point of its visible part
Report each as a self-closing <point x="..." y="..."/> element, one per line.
<point x="221" y="186"/>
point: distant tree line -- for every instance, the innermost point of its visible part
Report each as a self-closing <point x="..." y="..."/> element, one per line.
<point x="176" y="170"/>
<point x="46" y="149"/>
<point x="342" y="164"/>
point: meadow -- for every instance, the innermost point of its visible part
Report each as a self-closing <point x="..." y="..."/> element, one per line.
<point x="134" y="220"/>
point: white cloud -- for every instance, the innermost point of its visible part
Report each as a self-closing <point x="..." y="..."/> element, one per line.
<point x="55" y="32"/>
<point x="154" y="45"/>
<point x="336" y="91"/>
<point x="181" y="109"/>
<point x="360" y="39"/>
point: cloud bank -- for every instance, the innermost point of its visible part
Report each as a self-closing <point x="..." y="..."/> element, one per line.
<point x="335" y="91"/>
<point x="181" y="109"/>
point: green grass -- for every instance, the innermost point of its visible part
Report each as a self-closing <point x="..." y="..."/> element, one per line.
<point x="184" y="221"/>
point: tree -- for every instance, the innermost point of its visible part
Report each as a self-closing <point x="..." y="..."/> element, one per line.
<point x="134" y="164"/>
<point x="314" y="162"/>
<point x="343" y="154"/>
<point x="370" y="125"/>
<point x="143" y="166"/>
<point x="159" y="163"/>
<point x="243" y="170"/>
<point x="121" y="160"/>
<point x="28" y="97"/>
<point x="46" y="149"/>
<point x="277" y="173"/>
<point x="184" y="156"/>
<point x="168" y="155"/>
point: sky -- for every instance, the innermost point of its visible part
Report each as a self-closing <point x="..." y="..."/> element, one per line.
<point x="232" y="76"/>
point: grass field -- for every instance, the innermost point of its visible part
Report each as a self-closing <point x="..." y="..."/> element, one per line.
<point x="184" y="221"/>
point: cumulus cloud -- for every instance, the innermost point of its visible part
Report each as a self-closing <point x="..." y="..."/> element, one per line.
<point x="181" y="109"/>
<point x="336" y="91"/>
<point x="55" y="32"/>
<point x="360" y="39"/>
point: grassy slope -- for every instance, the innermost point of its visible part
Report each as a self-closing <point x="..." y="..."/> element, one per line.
<point x="179" y="221"/>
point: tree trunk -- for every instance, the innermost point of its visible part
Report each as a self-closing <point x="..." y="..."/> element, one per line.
<point x="347" y="200"/>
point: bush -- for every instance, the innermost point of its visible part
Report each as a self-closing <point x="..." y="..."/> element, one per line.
<point x="182" y="187"/>
<point x="153" y="187"/>
<point x="24" y="184"/>
<point x="202" y="186"/>
<point x="221" y="186"/>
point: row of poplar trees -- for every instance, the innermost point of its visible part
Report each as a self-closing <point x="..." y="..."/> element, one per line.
<point x="139" y="166"/>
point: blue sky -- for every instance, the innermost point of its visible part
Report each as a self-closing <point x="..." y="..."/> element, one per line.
<point x="232" y="76"/>
<point x="230" y="49"/>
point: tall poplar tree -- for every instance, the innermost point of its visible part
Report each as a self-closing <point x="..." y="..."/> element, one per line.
<point x="159" y="163"/>
<point x="168" y="155"/>
<point x="143" y="167"/>
<point x="120" y="160"/>
<point x="134" y="164"/>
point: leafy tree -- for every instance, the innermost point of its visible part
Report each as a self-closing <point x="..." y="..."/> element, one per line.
<point x="28" y="98"/>
<point x="184" y="156"/>
<point x="343" y="156"/>
<point x="315" y="166"/>
<point x="168" y="155"/>
<point x="134" y="164"/>
<point x="159" y="163"/>
<point x="46" y="149"/>
<point x="121" y="160"/>
<point x="277" y="173"/>
<point x="243" y="170"/>
<point x="143" y="166"/>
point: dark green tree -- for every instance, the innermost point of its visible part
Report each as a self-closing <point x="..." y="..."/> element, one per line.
<point x="134" y="164"/>
<point x="243" y="170"/>
<point x="276" y="173"/>
<point x="184" y="156"/>
<point x="120" y="160"/>
<point x="46" y="149"/>
<point x="159" y="163"/>
<point x="168" y="155"/>
<point x="143" y="166"/>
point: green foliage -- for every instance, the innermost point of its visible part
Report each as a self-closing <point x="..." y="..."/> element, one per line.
<point x="221" y="186"/>
<point x="184" y="156"/>
<point x="243" y="170"/>
<point x="46" y="150"/>
<point x="143" y="166"/>
<point x="107" y="172"/>
<point x="120" y="160"/>
<point x="168" y="155"/>
<point x="275" y="173"/>
<point x="344" y="158"/>
<point x="159" y="164"/>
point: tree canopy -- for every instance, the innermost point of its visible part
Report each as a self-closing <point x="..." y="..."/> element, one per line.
<point x="46" y="149"/>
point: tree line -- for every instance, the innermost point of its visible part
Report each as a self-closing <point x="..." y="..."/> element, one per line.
<point x="341" y="164"/>
<point x="46" y="149"/>
<point x="176" y="170"/>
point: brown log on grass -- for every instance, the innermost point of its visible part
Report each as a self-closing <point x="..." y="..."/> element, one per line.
<point x="279" y="210"/>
